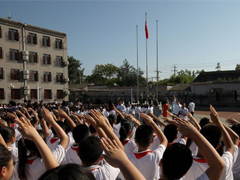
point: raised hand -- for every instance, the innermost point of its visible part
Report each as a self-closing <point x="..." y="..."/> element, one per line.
<point x="46" y="114"/>
<point x="231" y="121"/>
<point x="98" y="117"/>
<point x="214" y="115"/>
<point x="148" y="120"/>
<point x="26" y="128"/>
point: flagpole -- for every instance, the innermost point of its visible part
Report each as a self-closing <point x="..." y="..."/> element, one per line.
<point x="137" y="65"/>
<point x="146" y="62"/>
<point x="157" y="56"/>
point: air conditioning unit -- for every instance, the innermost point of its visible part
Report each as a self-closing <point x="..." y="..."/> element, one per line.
<point x="25" y="55"/>
<point x="26" y="87"/>
<point x="25" y="72"/>
<point x="65" y="63"/>
<point x="26" y="92"/>
<point x="26" y="77"/>
<point x="67" y="92"/>
<point x="66" y="79"/>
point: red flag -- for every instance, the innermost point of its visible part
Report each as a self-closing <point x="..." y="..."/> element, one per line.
<point x="146" y="30"/>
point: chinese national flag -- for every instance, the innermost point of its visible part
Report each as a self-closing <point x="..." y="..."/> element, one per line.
<point x="146" y="30"/>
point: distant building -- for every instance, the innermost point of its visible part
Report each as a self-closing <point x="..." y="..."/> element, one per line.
<point x="31" y="59"/>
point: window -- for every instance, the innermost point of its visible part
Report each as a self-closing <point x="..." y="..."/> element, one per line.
<point x="33" y="76"/>
<point x="33" y="57"/>
<point x="59" y="77"/>
<point x="13" y="34"/>
<point x="47" y="77"/>
<point x="1" y="53"/>
<point x="46" y="41"/>
<point x="15" y="93"/>
<point x="46" y="59"/>
<point x="33" y="94"/>
<point x="14" y="54"/>
<point x="59" y="94"/>
<point x="14" y="74"/>
<point x="0" y="32"/>
<point x="32" y="38"/>
<point x="47" y="94"/>
<point x="1" y="93"/>
<point x="58" y="44"/>
<point x="1" y="73"/>
<point x="59" y="60"/>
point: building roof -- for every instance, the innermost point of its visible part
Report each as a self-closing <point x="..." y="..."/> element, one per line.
<point x="218" y="76"/>
<point x="181" y="87"/>
<point x="18" y="24"/>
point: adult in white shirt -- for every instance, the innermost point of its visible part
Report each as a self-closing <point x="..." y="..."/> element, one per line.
<point x="176" y="107"/>
<point x="121" y="106"/>
<point x="191" y="106"/>
<point x="183" y="112"/>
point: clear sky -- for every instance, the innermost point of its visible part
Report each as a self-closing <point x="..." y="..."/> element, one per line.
<point x="192" y="35"/>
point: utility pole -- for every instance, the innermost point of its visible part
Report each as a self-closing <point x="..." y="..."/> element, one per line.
<point x="174" y="69"/>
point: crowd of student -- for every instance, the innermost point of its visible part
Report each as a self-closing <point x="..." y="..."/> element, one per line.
<point x="61" y="141"/>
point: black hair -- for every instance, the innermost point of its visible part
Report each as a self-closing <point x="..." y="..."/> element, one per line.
<point x="118" y="119"/>
<point x="5" y="156"/>
<point x="214" y="135"/>
<point x="204" y="121"/>
<point x="90" y="150"/>
<point x="92" y="129"/>
<point x="7" y="133"/>
<point x="124" y="131"/>
<point x="144" y="135"/>
<point x="176" y="161"/>
<point x="69" y="172"/>
<point x="112" y="118"/>
<point x="79" y="132"/>
<point x="170" y="131"/>
<point x="12" y="103"/>
<point x="24" y="147"/>
<point x="236" y="128"/>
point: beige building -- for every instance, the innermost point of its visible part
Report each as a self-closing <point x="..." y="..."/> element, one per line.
<point x="33" y="63"/>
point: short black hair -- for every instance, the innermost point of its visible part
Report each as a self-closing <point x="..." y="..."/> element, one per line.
<point x="69" y="172"/>
<point x="170" y="131"/>
<point x="90" y="150"/>
<point x="204" y="121"/>
<point x="7" y="133"/>
<point x="213" y="134"/>
<point x="236" y="128"/>
<point x="176" y="161"/>
<point x="125" y="129"/>
<point x="79" y="132"/>
<point x="92" y="129"/>
<point x="144" y="135"/>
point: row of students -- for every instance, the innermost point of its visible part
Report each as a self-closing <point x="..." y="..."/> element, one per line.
<point x="90" y="148"/>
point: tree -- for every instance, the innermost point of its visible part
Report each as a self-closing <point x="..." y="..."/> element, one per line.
<point x="127" y="75"/>
<point x="237" y="68"/>
<point x="75" y="71"/>
<point x="218" y="67"/>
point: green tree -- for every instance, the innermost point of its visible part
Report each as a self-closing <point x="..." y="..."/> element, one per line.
<point x="127" y="75"/>
<point x="75" y="71"/>
<point x="237" y="68"/>
<point x="218" y="67"/>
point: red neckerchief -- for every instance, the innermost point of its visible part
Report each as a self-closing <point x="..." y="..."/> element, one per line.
<point x="200" y="160"/>
<point x="53" y="140"/>
<point x="125" y="142"/>
<point x="74" y="148"/>
<point x="139" y="155"/>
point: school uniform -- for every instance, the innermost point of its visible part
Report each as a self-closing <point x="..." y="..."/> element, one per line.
<point x="104" y="172"/>
<point x="147" y="162"/>
<point x="72" y="156"/>
<point x="129" y="147"/>
<point x="34" y="167"/>
<point x="236" y="166"/>
<point x="200" y="165"/>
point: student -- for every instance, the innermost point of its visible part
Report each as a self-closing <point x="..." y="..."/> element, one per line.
<point x="171" y="132"/>
<point x="6" y="163"/>
<point x="90" y="150"/>
<point x="126" y="131"/>
<point x="191" y="107"/>
<point x="177" y="158"/>
<point x="145" y="160"/>
<point x="183" y="112"/>
<point x="79" y="132"/>
<point x="214" y="133"/>
<point x="32" y="165"/>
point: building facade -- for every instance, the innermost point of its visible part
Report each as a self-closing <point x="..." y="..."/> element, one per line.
<point x="33" y="63"/>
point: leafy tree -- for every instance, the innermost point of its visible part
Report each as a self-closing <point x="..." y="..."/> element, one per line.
<point x="218" y="67"/>
<point x="237" y="68"/>
<point x="127" y="75"/>
<point x="75" y="71"/>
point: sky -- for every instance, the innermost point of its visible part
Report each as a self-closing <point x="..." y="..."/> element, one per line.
<point x="192" y="35"/>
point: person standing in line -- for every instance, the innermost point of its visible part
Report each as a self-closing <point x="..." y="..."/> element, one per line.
<point x="165" y="109"/>
<point x="191" y="107"/>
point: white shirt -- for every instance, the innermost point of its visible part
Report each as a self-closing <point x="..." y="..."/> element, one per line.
<point x="104" y="172"/>
<point x="147" y="162"/>
<point x="72" y="156"/>
<point x="34" y="167"/>
<point x="176" y="108"/>
<point x="129" y="146"/>
<point x="183" y="113"/>
<point x="191" y="106"/>
<point x="121" y="107"/>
